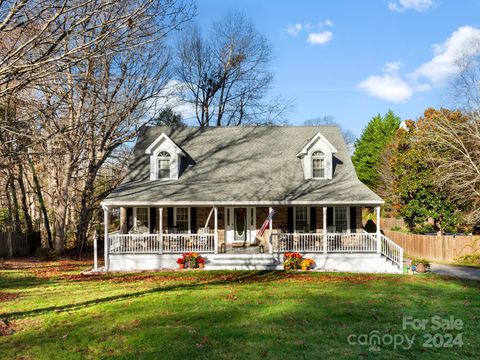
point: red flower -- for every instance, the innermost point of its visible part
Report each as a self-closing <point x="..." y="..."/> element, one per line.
<point x="181" y="260"/>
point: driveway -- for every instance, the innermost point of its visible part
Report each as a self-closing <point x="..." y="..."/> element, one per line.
<point x="463" y="272"/>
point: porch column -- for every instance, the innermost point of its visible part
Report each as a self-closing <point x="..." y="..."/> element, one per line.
<point x="215" y="210"/>
<point x="324" y="230"/>
<point x="379" y="243"/>
<point x="123" y="220"/>
<point x="270" y="228"/>
<point x="160" y="228"/>
<point x="106" y="222"/>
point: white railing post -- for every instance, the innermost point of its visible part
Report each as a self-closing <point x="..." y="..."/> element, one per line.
<point x="95" y="255"/>
<point x="270" y="228"/>
<point x="160" y="227"/>
<point x="324" y="230"/>
<point x="401" y="259"/>
<point x="106" y="242"/>
<point x="216" y="230"/>
<point x="379" y="240"/>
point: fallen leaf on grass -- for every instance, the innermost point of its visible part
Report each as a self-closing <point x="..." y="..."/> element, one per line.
<point x="202" y="343"/>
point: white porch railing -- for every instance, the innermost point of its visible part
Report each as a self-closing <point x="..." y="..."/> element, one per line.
<point x="157" y="243"/>
<point x="315" y="242"/>
<point x="391" y="251"/>
<point x="298" y="242"/>
<point x="180" y="243"/>
<point x="360" y="242"/>
<point x="134" y="243"/>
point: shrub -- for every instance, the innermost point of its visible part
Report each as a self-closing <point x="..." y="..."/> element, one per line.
<point x="46" y="253"/>
<point x="424" y="262"/>
<point x="473" y="259"/>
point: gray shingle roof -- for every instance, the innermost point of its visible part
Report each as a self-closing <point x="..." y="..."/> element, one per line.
<point x="242" y="165"/>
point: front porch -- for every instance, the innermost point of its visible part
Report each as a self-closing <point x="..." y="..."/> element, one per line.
<point x="234" y="241"/>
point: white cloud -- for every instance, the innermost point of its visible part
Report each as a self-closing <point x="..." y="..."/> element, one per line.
<point x="311" y="28"/>
<point x="416" y="5"/>
<point x="294" y="29"/>
<point x="387" y="87"/>
<point x="327" y="22"/>
<point x="320" y="38"/>
<point x="392" y="67"/>
<point x="171" y="96"/>
<point x="464" y="42"/>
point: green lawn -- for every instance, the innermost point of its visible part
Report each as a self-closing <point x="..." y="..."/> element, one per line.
<point x="58" y="313"/>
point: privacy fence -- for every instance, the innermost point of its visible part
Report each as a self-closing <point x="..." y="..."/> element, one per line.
<point x="435" y="247"/>
<point x="14" y="244"/>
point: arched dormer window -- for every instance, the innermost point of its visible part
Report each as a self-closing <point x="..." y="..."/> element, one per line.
<point x="163" y="165"/>
<point x="318" y="165"/>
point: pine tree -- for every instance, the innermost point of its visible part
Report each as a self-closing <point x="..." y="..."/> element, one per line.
<point x="371" y="145"/>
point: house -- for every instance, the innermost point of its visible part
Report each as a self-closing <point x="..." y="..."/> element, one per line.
<point x="210" y="190"/>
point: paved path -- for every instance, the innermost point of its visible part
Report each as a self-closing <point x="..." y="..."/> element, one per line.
<point x="463" y="272"/>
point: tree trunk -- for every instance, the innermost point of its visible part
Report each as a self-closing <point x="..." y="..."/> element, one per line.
<point x="38" y="192"/>
<point x="62" y="206"/>
<point x="26" y="213"/>
<point x="86" y="206"/>
<point x="17" y="228"/>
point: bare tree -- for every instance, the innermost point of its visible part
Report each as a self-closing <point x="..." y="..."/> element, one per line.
<point x="34" y="32"/>
<point x="451" y="141"/>
<point x="347" y="134"/>
<point x="226" y="75"/>
<point x="73" y="111"/>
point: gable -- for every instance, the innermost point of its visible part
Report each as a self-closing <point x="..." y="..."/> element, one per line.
<point x="163" y="144"/>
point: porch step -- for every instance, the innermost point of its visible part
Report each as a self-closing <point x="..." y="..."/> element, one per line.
<point x="243" y="262"/>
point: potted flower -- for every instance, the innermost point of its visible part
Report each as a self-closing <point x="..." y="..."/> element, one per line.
<point x="421" y="265"/>
<point x="190" y="259"/>
<point x="201" y="262"/>
<point x="291" y="261"/>
<point x="307" y="264"/>
<point x="181" y="262"/>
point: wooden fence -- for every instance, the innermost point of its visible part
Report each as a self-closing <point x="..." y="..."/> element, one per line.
<point x="390" y="223"/>
<point x="435" y="247"/>
<point x="13" y="244"/>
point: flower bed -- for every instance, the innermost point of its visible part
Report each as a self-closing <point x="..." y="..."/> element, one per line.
<point x="295" y="261"/>
<point x="191" y="260"/>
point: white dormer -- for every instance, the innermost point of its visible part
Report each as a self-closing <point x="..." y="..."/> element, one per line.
<point x="165" y="159"/>
<point x="317" y="158"/>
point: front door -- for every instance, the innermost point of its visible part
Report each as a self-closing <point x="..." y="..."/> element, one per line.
<point x="240" y="224"/>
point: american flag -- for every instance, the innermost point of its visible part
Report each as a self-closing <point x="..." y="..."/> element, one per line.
<point x="266" y="222"/>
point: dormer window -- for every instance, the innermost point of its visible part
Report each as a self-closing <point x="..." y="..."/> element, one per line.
<point x="163" y="167"/>
<point x="317" y="158"/>
<point x="165" y="159"/>
<point x="318" y="165"/>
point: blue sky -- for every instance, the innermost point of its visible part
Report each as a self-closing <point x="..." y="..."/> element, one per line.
<point x="355" y="59"/>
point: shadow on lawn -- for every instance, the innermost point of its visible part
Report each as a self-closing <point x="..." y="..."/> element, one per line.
<point x="253" y="276"/>
<point x="314" y="319"/>
<point x="222" y="278"/>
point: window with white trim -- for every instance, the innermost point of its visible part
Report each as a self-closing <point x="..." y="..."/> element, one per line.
<point x="163" y="165"/>
<point x="341" y="219"/>
<point x="181" y="219"/>
<point x="141" y="218"/>
<point x="301" y="219"/>
<point x="318" y="165"/>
